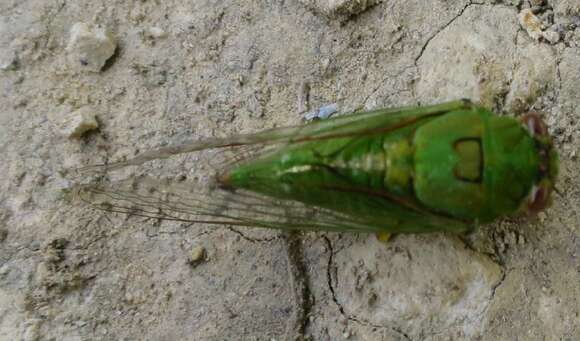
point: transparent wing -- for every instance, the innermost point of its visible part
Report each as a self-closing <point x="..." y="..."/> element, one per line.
<point x="190" y="202"/>
<point x="378" y="121"/>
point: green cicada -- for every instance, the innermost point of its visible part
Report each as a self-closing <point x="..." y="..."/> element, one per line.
<point x="445" y="167"/>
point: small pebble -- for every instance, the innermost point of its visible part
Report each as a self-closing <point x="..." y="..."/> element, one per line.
<point x="9" y="62"/>
<point x="542" y="216"/>
<point x="89" y="48"/>
<point x="197" y="255"/>
<point x="551" y="36"/>
<point x="333" y="8"/>
<point x="156" y="33"/>
<point x="80" y="122"/>
<point x="531" y="23"/>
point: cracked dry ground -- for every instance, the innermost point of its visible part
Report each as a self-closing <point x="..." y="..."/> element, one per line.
<point x="68" y="273"/>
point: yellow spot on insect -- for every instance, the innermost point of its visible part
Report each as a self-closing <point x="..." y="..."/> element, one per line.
<point x="398" y="164"/>
<point x="470" y="164"/>
<point x="384" y="237"/>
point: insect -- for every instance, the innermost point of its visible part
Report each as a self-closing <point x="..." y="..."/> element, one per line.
<point x="445" y="167"/>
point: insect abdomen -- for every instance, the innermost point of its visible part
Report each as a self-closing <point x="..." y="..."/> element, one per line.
<point x="382" y="163"/>
<point x="379" y="162"/>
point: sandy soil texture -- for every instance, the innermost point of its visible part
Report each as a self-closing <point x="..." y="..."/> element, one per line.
<point x="127" y="76"/>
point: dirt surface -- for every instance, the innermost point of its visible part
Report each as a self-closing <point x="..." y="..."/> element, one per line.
<point x="206" y="68"/>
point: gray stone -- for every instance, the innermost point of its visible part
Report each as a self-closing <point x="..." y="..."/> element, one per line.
<point x="89" y="48"/>
<point x="79" y="122"/>
<point x="333" y="8"/>
<point x="531" y="23"/>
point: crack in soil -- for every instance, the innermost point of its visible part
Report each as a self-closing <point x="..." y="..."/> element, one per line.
<point x="251" y="239"/>
<point x="498" y="284"/>
<point x="559" y="78"/>
<point x="350" y="317"/>
<point x="428" y="41"/>
<point x="297" y="325"/>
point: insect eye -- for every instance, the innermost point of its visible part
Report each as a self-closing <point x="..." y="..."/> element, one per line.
<point x="539" y="199"/>
<point x="535" y="125"/>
